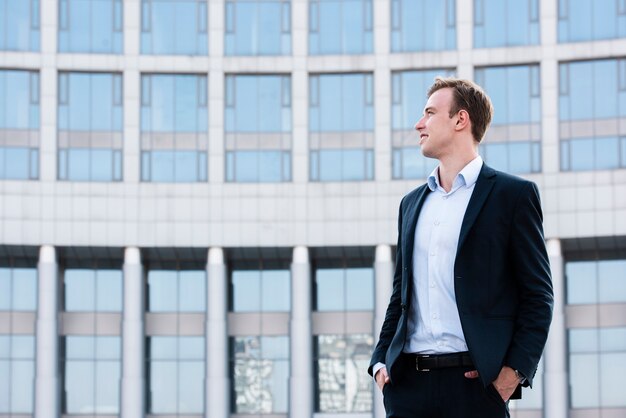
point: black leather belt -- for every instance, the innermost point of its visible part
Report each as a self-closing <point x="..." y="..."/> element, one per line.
<point x="428" y="362"/>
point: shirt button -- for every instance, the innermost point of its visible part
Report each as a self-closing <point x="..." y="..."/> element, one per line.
<point x="436" y="222"/>
<point x="432" y="254"/>
<point x="432" y="284"/>
<point x="445" y="197"/>
<point x="434" y="316"/>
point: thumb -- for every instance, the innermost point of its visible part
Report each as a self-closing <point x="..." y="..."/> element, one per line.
<point x="471" y="374"/>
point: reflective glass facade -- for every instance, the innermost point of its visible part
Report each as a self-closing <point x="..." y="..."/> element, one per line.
<point x="592" y="101"/>
<point x="591" y="282"/>
<point x="597" y="363"/>
<point x="105" y="152"/>
<point x="17" y="374"/>
<point x="18" y="289"/>
<point x="92" y="373"/>
<point x="177" y="290"/>
<point x="506" y="23"/>
<point x="175" y="370"/>
<point x="258" y="128"/>
<point x="90" y="127"/>
<point x="408" y="96"/>
<point x="341" y="127"/>
<point x="93" y="290"/>
<point x="513" y="142"/>
<point x="94" y="26"/>
<point x="423" y="25"/>
<point x="260" y="374"/>
<point x="590" y="20"/>
<point x="340" y="27"/>
<point x="174" y="27"/>
<point x="19" y="125"/>
<point x="261" y="290"/>
<point x="341" y="384"/>
<point x="258" y="27"/>
<point x="174" y="128"/>
<point x="20" y="25"/>
<point x="344" y="289"/>
<point x="597" y="356"/>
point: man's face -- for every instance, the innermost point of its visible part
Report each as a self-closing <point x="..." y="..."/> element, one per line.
<point x="436" y="127"/>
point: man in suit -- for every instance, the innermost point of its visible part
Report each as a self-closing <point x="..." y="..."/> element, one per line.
<point x="472" y="296"/>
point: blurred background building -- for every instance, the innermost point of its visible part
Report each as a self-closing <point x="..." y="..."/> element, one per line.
<point x="198" y="198"/>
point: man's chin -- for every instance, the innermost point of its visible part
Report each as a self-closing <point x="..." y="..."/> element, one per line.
<point x="427" y="153"/>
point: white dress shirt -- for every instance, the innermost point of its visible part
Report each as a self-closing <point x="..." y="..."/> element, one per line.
<point x="434" y="326"/>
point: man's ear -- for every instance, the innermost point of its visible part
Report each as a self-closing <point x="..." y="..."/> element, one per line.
<point x="462" y="119"/>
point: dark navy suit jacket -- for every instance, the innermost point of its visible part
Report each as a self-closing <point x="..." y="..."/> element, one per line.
<point x="501" y="278"/>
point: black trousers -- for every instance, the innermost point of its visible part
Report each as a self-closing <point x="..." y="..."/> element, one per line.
<point x="440" y="393"/>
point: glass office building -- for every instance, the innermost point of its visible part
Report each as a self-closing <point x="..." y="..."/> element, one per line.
<point x="198" y="198"/>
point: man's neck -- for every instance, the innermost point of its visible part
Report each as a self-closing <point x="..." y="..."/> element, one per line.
<point x="449" y="168"/>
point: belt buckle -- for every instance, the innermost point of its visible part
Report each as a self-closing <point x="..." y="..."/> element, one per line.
<point x="417" y="363"/>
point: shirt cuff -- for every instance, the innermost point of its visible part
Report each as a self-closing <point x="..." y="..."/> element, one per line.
<point x="376" y="368"/>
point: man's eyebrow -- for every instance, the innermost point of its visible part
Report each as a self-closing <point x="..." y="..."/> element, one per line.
<point x="426" y="109"/>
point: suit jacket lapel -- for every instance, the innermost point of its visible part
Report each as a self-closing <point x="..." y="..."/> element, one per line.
<point x="483" y="187"/>
<point x="412" y="213"/>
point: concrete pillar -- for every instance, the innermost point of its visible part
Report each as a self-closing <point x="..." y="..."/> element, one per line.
<point x="383" y="269"/>
<point x="217" y="375"/>
<point x="301" y="349"/>
<point x="555" y="355"/>
<point x="465" y="38"/>
<point x="133" y="383"/>
<point x="46" y="375"/>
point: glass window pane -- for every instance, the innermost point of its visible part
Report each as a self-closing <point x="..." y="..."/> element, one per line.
<point x="24" y="289"/>
<point x="584" y="380"/>
<point x="108" y="376"/>
<point x="5" y="384"/>
<point x="6" y="283"/>
<point x="588" y="20"/>
<point x="163" y="389"/>
<point x="582" y="282"/>
<point x="109" y="290"/>
<point x="597" y="361"/>
<point x="581" y="150"/>
<point x="162" y="291"/>
<point x="163" y="348"/>
<point x="80" y="347"/>
<point x="612" y="369"/>
<point x="22" y="386"/>
<point x="340" y="27"/>
<point x="192" y="294"/>
<point x="276" y="290"/>
<point x="260" y="380"/>
<point x="79" y="387"/>
<point x="421" y="25"/>
<point x="612" y="281"/>
<point x="80" y="290"/>
<point x="21" y="20"/>
<point x="330" y="289"/>
<point x="173" y="107"/>
<point x="258" y="28"/>
<point x="22" y="346"/>
<point x="108" y="348"/>
<point x="174" y="27"/>
<point x="191" y="348"/>
<point x="246" y="291"/>
<point x="359" y="289"/>
<point x="342" y="387"/>
<point x="191" y="387"/>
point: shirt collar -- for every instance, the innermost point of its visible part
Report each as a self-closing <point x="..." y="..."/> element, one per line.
<point x="467" y="176"/>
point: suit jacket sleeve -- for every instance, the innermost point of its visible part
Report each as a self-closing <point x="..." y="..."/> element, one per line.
<point x="394" y="309"/>
<point x="532" y="273"/>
